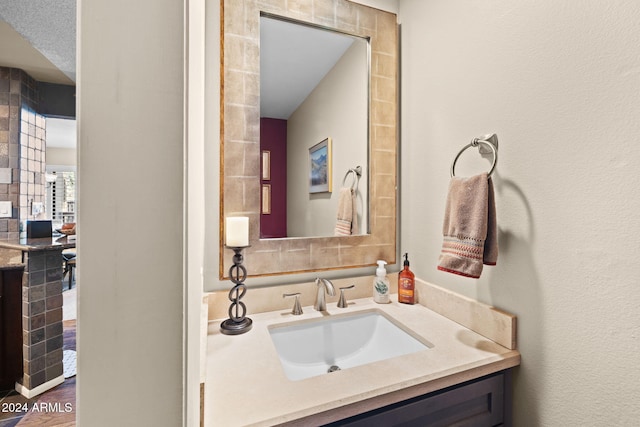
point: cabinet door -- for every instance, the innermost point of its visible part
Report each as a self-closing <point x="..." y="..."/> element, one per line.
<point x="476" y="403"/>
<point x="10" y="326"/>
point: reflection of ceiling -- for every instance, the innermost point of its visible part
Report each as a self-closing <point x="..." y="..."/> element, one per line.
<point x="293" y="60"/>
<point x="39" y="37"/>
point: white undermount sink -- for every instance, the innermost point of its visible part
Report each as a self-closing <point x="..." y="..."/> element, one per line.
<point x="314" y="347"/>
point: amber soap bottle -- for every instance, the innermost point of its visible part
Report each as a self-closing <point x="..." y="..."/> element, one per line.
<point x="406" y="284"/>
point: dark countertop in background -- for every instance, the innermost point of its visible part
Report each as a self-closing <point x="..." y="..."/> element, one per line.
<point x="45" y="243"/>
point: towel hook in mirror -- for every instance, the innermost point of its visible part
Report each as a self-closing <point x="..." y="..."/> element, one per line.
<point x="490" y="141"/>
<point x="357" y="173"/>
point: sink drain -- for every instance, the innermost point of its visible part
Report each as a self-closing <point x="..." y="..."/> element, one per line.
<point x="333" y="368"/>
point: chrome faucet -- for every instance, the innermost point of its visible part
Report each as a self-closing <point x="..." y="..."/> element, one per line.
<point x="324" y="286"/>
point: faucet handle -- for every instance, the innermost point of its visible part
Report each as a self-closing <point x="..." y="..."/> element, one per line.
<point x="297" y="308"/>
<point x="342" y="303"/>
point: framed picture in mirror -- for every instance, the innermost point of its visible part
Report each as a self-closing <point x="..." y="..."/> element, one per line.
<point x="266" y="165"/>
<point x="320" y="167"/>
<point x="266" y="199"/>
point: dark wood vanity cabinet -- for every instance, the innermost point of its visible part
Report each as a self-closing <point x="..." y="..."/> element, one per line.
<point x="10" y="326"/>
<point x="482" y="402"/>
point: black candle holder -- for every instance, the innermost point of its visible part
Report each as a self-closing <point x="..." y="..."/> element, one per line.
<point x="237" y="323"/>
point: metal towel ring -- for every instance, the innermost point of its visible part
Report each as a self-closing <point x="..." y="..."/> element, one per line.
<point x="474" y="143"/>
<point x="357" y="172"/>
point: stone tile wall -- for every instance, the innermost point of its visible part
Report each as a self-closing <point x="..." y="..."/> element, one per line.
<point x="32" y="161"/>
<point x="22" y="147"/>
<point x="42" y="317"/>
<point x="10" y="101"/>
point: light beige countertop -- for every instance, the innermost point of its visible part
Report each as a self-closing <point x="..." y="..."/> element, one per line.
<point x="246" y="385"/>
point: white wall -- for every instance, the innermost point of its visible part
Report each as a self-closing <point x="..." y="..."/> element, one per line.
<point x="195" y="189"/>
<point x="61" y="156"/>
<point x="559" y="82"/>
<point x="341" y="94"/>
<point x="387" y="5"/>
<point x="131" y="295"/>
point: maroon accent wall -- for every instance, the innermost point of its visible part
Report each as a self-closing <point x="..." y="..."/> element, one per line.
<point x="273" y="137"/>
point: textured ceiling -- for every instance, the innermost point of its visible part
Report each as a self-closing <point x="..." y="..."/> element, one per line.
<point x="47" y="50"/>
<point x="39" y="37"/>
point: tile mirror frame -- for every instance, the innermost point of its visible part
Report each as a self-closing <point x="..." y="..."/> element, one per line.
<point x="240" y="155"/>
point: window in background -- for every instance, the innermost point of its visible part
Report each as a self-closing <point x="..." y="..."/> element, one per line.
<point x="61" y="196"/>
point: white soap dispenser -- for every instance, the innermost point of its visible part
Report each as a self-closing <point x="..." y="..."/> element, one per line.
<point x="381" y="284"/>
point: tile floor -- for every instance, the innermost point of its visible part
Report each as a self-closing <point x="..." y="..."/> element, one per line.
<point x="56" y="407"/>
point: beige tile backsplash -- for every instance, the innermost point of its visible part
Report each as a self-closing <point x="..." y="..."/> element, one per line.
<point x="486" y="320"/>
<point x="259" y="300"/>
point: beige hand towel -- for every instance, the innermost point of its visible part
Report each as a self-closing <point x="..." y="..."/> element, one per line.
<point x="355" y="228"/>
<point x="346" y="212"/>
<point x="469" y="229"/>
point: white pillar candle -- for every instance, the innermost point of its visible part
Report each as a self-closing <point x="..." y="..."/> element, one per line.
<point x="237" y="232"/>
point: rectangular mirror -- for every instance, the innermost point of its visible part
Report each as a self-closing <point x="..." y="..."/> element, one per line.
<point x="314" y="86"/>
<point x="361" y="126"/>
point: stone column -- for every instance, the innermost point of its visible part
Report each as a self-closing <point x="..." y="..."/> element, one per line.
<point x="22" y="147"/>
<point x="41" y="321"/>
